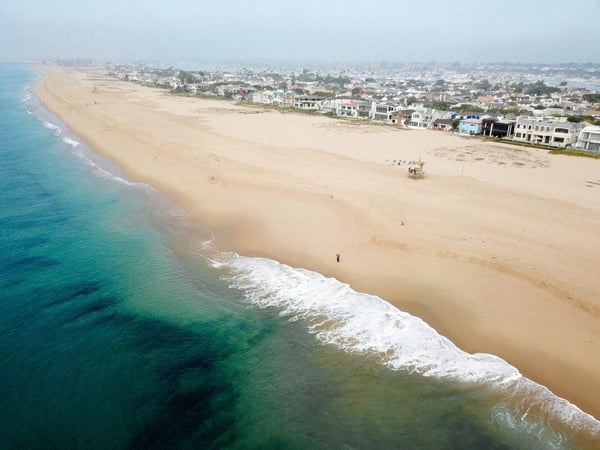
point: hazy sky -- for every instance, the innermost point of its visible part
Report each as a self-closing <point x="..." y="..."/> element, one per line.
<point x="303" y="30"/>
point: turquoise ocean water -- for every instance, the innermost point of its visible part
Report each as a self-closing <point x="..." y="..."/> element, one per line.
<point x="122" y="327"/>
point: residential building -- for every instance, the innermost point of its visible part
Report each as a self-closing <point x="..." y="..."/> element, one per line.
<point x="469" y="126"/>
<point x="425" y="117"/>
<point x="551" y="131"/>
<point x="341" y="106"/>
<point x="264" y="96"/>
<point x="311" y="102"/>
<point x="402" y="116"/>
<point x="442" y="124"/>
<point x="589" y="139"/>
<point x="366" y="109"/>
<point x="347" y="108"/>
<point x="497" y="128"/>
<point x="385" y="111"/>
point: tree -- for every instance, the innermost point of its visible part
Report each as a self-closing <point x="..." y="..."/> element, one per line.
<point x="539" y="88"/>
<point x="592" y="98"/>
<point x="439" y="105"/>
<point x="186" y="77"/>
<point x="484" y="85"/>
<point x="574" y="119"/>
<point x="410" y="100"/>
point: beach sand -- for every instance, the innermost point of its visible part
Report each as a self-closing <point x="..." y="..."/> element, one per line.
<point x="497" y="247"/>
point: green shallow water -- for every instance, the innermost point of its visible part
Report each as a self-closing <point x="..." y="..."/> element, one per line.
<point x="115" y="333"/>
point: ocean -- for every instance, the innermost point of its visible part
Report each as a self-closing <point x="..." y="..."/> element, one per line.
<point x="122" y="326"/>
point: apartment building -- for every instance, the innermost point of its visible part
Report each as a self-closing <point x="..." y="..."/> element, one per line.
<point x="551" y="131"/>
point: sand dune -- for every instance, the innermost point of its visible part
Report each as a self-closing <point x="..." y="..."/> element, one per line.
<point x="498" y="247"/>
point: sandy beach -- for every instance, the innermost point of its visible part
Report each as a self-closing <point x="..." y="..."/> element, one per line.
<point x="497" y="247"/>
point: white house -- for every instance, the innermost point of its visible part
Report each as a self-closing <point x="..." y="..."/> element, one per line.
<point x="552" y="131"/>
<point x="589" y="139"/>
<point x="384" y="111"/>
<point x="264" y="96"/>
<point x="311" y="102"/>
<point x="425" y="117"/>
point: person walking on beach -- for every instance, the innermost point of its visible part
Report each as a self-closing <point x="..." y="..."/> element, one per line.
<point x="337" y="257"/>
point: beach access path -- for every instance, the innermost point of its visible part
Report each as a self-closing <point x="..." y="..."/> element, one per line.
<point x="497" y="247"/>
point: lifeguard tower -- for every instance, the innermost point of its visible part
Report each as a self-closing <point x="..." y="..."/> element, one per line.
<point x="415" y="170"/>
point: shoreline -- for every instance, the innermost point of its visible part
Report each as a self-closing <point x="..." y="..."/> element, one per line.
<point x="508" y="278"/>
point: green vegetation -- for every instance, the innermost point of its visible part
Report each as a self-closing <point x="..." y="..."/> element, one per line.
<point x="328" y="79"/>
<point x="186" y="77"/>
<point x="483" y="85"/>
<point x="551" y="150"/>
<point x="357" y="92"/>
<point x="306" y="76"/>
<point x="326" y="94"/>
<point x="510" y="111"/>
<point x="575" y="119"/>
<point x="569" y="152"/>
<point x="467" y="107"/>
<point x="592" y="98"/>
<point x="443" y="106"/>
<point x="540" y="88"/>
<point x="410" y="100"/>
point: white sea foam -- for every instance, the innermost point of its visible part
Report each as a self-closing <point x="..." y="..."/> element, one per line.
<point x="57" y="130"/>
<point x="80" y="151"/>
<point x="100" y="171"/>
<point x="361" y="323"/>
<point x="72" y="142"/>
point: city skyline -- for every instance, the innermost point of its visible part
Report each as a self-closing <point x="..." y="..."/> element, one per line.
<point x="334" y="31"/>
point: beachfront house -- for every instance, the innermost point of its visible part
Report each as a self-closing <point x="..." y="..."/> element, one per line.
<point x="384" y="111"/>
<point x="471" y="127"/>
<point x="497" y="128"/>
<point x="264" y="97"/>
<point x="402" y="116"/>
<point x="289" y="99"/>
<point x="589" y="139"/>
<point x="341" y="106"/>
<point x="418" y="119"/>
<point x="551" y="131"/>
<point x="442" y="124"/>
<point x="425" y="117"/>
<point x="366" y="109"/>
<point x="308" y="102"/>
